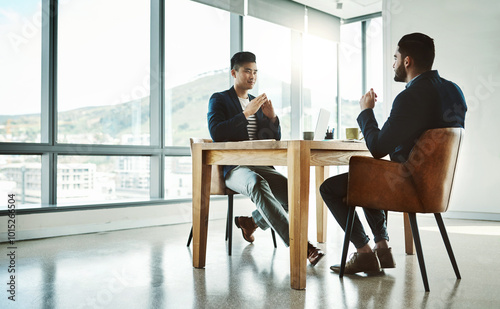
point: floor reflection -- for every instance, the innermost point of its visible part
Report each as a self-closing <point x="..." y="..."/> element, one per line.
<point x="152" y="268"/>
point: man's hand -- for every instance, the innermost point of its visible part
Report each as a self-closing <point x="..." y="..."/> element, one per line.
<point x="368" y="100"/>
<point x="268" y="110"/>
<point x="254" y="105"/>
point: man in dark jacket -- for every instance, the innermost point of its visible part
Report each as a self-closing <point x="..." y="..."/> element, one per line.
<point x="428" y="102"/>
<point x="235" y="115"/>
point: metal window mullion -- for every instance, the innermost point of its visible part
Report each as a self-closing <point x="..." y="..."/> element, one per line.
<point x="49" y="101"/>
<point x="157" y="97"/>
<point x="49" y="179"/>
<point x="49" y="72"/>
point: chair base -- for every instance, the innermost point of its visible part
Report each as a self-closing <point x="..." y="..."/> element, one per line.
<point x="229" y="227"/>
<point x="416" y="238"/>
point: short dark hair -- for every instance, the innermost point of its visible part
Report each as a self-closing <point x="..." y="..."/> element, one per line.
<point x="240" y="58"/>
<point x="420" y="47"/>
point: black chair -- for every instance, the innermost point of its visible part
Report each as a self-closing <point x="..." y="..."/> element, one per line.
<point x="218" y="187"/>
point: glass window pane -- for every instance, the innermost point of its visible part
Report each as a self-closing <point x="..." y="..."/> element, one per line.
<point x="197" y="65"/>
<point x="350" y="75"/>
<point x="85" y="179"/>
<point x="103" y="72"/>
<point x="271" y="45"/>
<point x="319" y="81"/>
<point x="178" y="179"/>
<point x="375" y="64"/>
<point x="20" y="73"/>
<point x="21" y="175"/>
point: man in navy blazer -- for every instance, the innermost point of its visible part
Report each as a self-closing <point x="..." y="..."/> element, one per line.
<point x="236" y="115"/>
<point x="428" y="102"/>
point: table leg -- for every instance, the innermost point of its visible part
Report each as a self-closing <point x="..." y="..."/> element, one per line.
<point x="409" y="244"/>
<point x="321" y="172"/>
<point x="298" y="159"/>
<point x="201" y="198"/>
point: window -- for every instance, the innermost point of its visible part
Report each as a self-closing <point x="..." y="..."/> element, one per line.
<point x="178" y="178"/>
<point x="319" y="81"/>
<point x="356" y="71"/>
<point x="103" y="72"/>
<point x="271" y="45"/>
<point x="351" y="78"/>
<point x="20" y="175"/>
<point x="375" y="65"/>
<point x="97" y="145"/>
<point x="102" y="178"/>
<point x="20" y="73"/>
<point x="197" y="65"/>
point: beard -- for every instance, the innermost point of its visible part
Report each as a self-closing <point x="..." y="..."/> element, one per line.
<point x="400" y="73"/>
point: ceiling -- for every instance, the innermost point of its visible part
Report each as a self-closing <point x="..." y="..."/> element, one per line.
<point x="350" y="8"/>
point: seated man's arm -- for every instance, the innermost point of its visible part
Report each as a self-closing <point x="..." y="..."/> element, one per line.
<point x="224" y="125"/>
<point x="400" y="128"/>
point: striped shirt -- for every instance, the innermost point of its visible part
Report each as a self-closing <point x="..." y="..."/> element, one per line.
<point x="252" y="121"/>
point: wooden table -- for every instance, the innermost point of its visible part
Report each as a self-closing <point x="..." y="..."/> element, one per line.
<point x="299" y="156"/>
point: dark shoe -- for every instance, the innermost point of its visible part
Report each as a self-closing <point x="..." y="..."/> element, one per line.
<point x="314" y="255"/>
<point x="360" y="262"/>
<point x="247" y="226"/>
<point x="385" y="257"/>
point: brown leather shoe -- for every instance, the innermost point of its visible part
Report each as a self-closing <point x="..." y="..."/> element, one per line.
<point x="385" y="257"/>
<point x="360" y="262"/>
<point x="247" y="226"/>
<point x="314" y="255"/>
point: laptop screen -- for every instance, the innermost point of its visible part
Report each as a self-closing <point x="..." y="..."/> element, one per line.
<point x="322" y="124"/>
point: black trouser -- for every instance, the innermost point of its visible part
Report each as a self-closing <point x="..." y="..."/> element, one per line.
<point x="334" y="192"/>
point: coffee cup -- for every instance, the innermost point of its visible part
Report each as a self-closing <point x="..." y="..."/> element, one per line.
<point x="352" y="133"/>
<point x="308" y="135"/>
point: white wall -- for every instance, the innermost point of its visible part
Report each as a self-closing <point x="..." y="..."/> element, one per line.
<point x="467" y="39"/>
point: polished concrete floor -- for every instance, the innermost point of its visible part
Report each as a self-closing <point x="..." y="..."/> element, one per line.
<point x="152" y="268"/>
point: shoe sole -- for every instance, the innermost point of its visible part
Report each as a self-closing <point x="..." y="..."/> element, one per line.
<point x="319" y="259"/>
<point x="372" y="272"/>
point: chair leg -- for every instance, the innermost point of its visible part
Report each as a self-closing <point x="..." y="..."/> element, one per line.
<point x="418" y="247"/>
<point x="274" y="237"/>
<point x="229" y="224"/>
<point x="447" y="243"/>
<point x="190" y="237"/>
<point x="347" y="237"/>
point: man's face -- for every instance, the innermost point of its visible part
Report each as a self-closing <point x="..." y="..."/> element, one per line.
<point x="399" y="67"/>
<point x="246" y="75"/>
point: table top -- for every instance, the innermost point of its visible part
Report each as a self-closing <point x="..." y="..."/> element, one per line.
<point x="283" y="144"/>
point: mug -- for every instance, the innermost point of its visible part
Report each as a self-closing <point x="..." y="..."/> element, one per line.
<point x="352" y="133"/>
<point x="308" y="135"/>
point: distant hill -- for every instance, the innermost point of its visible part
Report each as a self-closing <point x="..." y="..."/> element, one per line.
<point x="106" y="124"/>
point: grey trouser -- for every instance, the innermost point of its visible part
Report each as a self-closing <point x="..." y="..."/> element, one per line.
<point x="268" y="190"/>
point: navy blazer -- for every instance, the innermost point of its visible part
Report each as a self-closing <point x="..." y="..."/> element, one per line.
<point x="428" y="102"/>
<point x="227" y="123"/>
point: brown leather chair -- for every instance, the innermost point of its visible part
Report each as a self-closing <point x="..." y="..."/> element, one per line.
<point x="218" y="187"/>
<point x="420" y="185"/>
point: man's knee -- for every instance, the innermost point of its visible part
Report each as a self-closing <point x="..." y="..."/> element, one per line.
<point x="324" y="190"/>
<point x="255" y="183"/>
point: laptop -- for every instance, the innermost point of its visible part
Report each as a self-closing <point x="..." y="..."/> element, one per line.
<point x="321" y="124"/>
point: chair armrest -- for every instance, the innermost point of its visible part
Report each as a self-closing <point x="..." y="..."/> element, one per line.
<point x="380" y="184"/>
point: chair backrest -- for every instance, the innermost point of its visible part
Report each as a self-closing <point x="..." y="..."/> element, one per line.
<point x="217" y="184"/>
<point x="432" y="164"/>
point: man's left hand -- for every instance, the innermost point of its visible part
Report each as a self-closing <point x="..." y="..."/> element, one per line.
<point x="368" y="100"/>
<point x="268" y="110"/>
